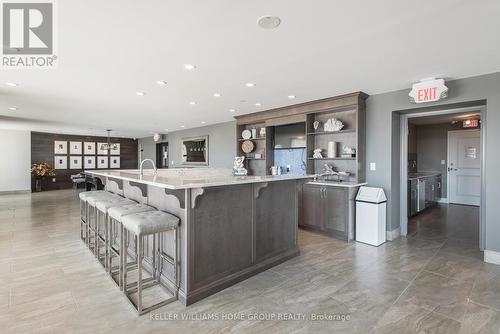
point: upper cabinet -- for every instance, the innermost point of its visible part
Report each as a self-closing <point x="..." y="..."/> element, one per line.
<point x="335" y="128"/>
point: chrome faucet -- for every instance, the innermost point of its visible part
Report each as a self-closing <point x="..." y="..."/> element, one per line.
<point x="141" y="169"/>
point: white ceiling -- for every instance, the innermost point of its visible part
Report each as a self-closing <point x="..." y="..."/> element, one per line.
<point x="110" y="49"/>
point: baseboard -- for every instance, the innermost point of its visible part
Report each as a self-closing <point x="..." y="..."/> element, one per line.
<point x="443" y="200"/>
<point x="394" y="234"/>
<point x="14" y="192"/>
<point x="492" y="257"/>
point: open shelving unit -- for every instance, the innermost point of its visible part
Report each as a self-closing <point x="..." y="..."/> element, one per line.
<point x="349" y="108"/>
<point x="263" y="145"/>
<point x="351" y="135"/>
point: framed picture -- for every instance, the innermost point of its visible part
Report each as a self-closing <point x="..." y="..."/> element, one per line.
<point x="114" y="162"/>
<point x="75" y="147"/>
<point x="115" y="149"/>
<point x="89" y="148"/>
<point x="195" y="151"/>
<point x="60" y="147"/>
<point x="75" y="162"/>
<point x="101" y="149"/>
<point x="102" y="162"/>
<point x="89" y="162"/>
<point x="60" y="162"/>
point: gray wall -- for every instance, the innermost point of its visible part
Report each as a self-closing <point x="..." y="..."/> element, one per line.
<point x="148" y="150"/>
<point x="221" y="144"/>
<point x="383" y="143"/>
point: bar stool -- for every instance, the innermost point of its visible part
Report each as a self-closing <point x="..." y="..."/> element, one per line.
<point x="143" y="224"/>
<point x="115" y="215"/>
<point x="83" y="211"/>
<point x="101" y="231"/>
<point x="92" y="215"/>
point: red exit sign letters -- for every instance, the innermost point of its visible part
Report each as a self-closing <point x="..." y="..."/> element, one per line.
<point x="428" y="90"/>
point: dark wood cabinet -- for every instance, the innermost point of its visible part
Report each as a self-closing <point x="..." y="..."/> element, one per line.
<point x="336" y="209"/>
<point x="329" y="209"/>
<point x="313" y="206"/>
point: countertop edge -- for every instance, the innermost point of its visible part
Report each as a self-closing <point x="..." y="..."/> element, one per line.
<point x="195" y="185"/>
<point x="343" y="185"/>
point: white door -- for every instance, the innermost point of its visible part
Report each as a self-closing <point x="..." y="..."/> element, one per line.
<point x="464" y="167"/>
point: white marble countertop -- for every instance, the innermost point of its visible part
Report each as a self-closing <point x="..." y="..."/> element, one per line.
<point x="180" y="178"/>
<point x="345" y="184"/>
<point x="419" y="175"/>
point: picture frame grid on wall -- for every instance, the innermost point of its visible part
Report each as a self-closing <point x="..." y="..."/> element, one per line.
<point x="75" y="147"/>
<point x="60" y="147"/>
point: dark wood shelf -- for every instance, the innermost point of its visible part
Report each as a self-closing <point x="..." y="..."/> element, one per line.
<point x="337" y="158"/>
<point x="260" y="138"/>
<point x="331" y="132"/>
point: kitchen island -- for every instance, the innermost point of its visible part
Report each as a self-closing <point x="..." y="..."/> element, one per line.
<point x="232" y="227"/>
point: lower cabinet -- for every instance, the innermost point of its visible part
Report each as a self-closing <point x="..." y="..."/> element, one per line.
<point x="329" y="209"/>
<point x="336" y="210"/>
<point x="313" y="206"/>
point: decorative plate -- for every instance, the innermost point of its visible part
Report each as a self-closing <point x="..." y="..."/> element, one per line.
<point x="247" y="146"/>
<point x="246" y="134"/>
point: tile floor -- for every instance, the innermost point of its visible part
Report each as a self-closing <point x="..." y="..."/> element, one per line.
<point x="434" y="281"/>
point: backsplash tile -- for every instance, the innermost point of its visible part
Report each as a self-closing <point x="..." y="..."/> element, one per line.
<point x="295" y="157"/>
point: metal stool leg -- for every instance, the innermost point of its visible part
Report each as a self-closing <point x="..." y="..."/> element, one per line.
<point x="139" y="273"/>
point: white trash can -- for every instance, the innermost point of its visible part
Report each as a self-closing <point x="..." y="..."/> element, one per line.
<point x="371" y="216"/>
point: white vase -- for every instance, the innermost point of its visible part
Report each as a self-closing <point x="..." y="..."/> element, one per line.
<point x="332" y="149"/>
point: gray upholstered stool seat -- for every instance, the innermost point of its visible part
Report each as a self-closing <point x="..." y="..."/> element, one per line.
<point x="117" y="212"/>
<point x="104" y="204"/>
<point x="84" y="194"/>
<point x="151" y="225"/>
<point x="92" y="199"/>
<point x="150" y="222"/>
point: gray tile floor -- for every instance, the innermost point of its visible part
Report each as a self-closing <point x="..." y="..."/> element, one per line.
<point x="434" y="281"/>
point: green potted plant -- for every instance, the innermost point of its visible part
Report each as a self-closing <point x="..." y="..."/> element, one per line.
<point x="39" y="172"/>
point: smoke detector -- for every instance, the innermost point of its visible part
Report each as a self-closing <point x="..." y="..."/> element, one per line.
<point x="269" y="22"/>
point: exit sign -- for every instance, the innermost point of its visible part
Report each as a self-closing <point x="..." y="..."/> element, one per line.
<point x="470" y="123"/>
<point x="428" y="90"/>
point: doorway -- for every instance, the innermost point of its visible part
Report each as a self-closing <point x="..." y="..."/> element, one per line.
<point x="451" y="170"/>
<point x="162" y="155"/>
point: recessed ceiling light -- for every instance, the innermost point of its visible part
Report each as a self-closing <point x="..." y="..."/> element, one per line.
<point x="269" y="22"/>
<point x="140" y="93"/>
<point x="232" y="110"/>
<point x="203" y="122"/>
<point x="189" y="67"/>
<point x="182" y="126"/>
<point x="217" y="94"/>
<point x="13" y="108"/>
<point x="258" y="104"/>
<point x="291" y="97"/>
<point x="161" y="82"/>
<point x="250" y="84"/>
<point x="192" y="103"/>
<point x="12" y="84"/>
